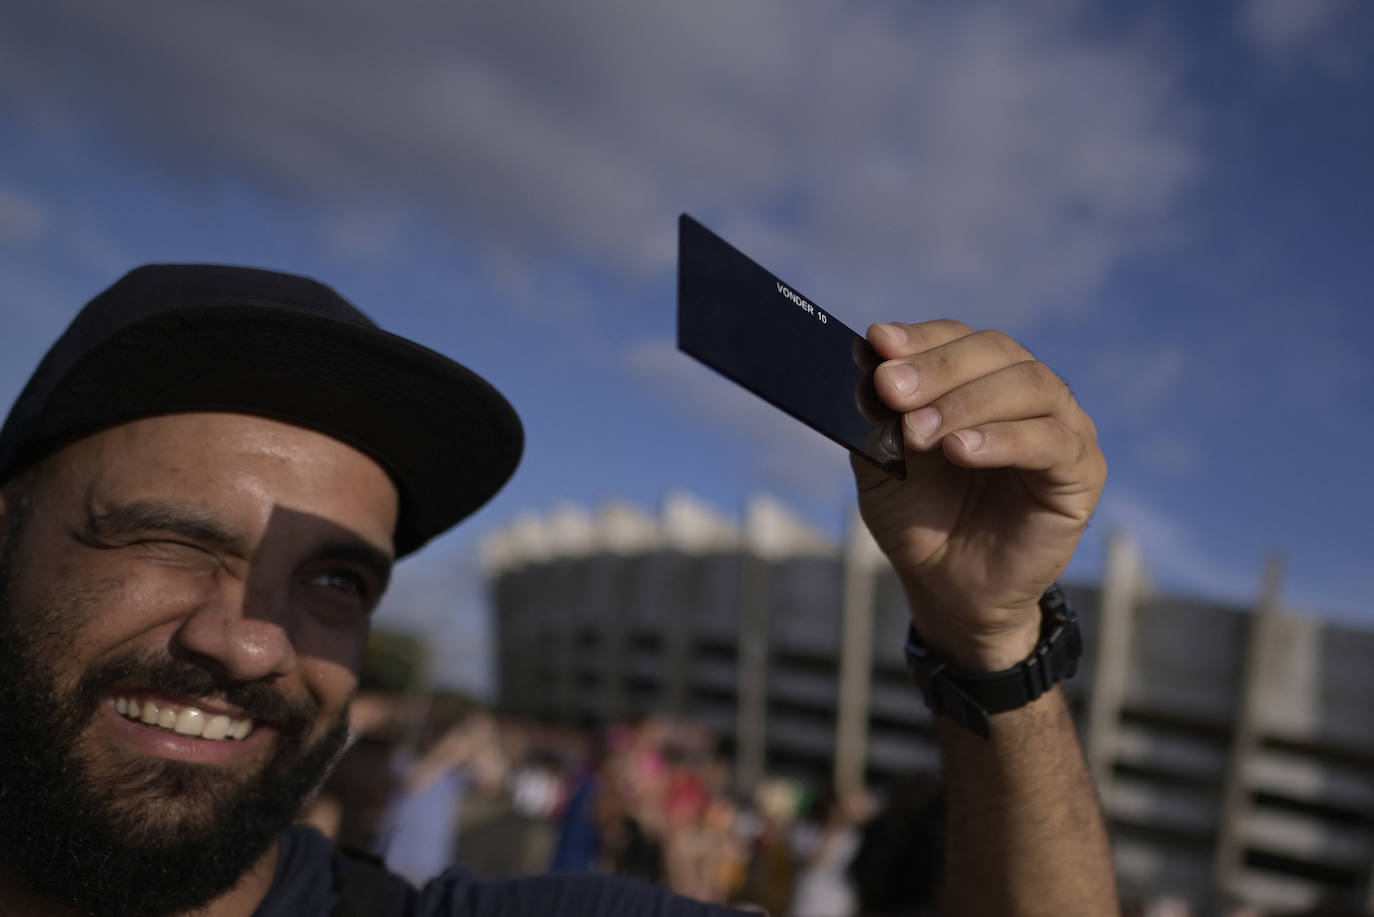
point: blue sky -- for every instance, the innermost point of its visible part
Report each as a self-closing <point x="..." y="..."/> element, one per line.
<point x="1170" y="206"/>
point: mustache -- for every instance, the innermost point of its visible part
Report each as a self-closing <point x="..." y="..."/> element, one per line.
<point x="179" y="678"/>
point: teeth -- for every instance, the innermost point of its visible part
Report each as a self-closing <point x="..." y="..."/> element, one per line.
<point x="187" y="721"/>
<point x="217" y="728"/>
<point x="190" y="722"/>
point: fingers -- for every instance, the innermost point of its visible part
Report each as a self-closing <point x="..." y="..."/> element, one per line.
<point x="894" y="340"/>
<point x="907" y="382"/>
<point x="1043" y="444"/>
<point x="1009" y="409"/>
<point x="1016" y="392"/>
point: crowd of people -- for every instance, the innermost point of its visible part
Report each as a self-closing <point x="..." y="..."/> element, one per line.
<point x="429" y="784"/>
<point x="426" y="785"/>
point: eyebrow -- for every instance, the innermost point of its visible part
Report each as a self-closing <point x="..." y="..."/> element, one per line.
<point x="196" y="524"/>
<point x="142" y="516"/>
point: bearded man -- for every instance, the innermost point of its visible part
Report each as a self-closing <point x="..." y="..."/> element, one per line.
<point x="203" y="489"/>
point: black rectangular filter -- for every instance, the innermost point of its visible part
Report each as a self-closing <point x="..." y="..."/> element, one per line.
<point x="748" y="325"/>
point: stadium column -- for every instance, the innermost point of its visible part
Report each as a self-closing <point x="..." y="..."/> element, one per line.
<point x="680" y="598"/>
<point x="613" y="607"/>
<point x="751" y="720"/>
<point x="861" y="561"/>
<point x="562" y="599"/>
<point x="1265" y="647"/>
<point x="1122" y="581"/>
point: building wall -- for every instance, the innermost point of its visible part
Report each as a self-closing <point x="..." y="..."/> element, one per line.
<point x="1233" y="748"/>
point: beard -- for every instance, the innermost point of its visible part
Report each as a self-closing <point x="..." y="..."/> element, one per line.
<point x="111" y="833"/>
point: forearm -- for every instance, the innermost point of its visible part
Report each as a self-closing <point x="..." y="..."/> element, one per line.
<point x="1025" y="834"/>
<point x="1004" y="472"/>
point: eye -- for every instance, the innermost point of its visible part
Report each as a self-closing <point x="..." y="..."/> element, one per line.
<point x="343" y="584"/>
<point x="175" y="553"/>
<point x="170" y="544"/>
<point x="339" y="581"/>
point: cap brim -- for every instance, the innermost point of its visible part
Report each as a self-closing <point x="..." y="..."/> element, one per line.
<point x="446" y="437"/>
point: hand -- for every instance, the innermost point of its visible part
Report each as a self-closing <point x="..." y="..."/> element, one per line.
<point x="1003" y="473"/>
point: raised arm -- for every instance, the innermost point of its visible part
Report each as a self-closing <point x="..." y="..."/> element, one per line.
<point x="1003" y="473"/>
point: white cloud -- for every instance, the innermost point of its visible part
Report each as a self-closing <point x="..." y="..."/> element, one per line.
<point x="990" y="161"/>
<point x="368" y="232"/>
<point x="1141" y="379"/>
<point x="790" y="456"/>
<point x="1285" y="25"/>
<point x="1175" y="556"/>
<point x="1172" y="455"/>
<point x="21" y="217"/>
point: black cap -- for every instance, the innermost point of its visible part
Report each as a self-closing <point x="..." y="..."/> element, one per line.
<point x="171" y="338"/>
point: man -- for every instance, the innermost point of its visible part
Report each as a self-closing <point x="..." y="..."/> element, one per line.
<point x="205" y="484"/>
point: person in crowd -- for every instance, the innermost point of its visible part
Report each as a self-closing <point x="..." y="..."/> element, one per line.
<point x="579" y="844"/>
<point x="204" y="487"/>
<point x="825" y="888"/>
<point x="899" y="864"/>
<point x="418" y="836"/>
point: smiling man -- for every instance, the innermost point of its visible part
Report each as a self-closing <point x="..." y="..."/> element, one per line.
<point x="204" y="487"/>
<point x="185" y="602"/>
<point x="206" y="483"/>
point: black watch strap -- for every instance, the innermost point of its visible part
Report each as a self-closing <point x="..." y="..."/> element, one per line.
<point x="968" y="698"/>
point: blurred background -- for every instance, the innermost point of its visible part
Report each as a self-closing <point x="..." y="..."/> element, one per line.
<point x="1168" y="204"/>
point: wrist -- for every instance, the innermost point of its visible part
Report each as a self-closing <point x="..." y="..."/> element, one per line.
<point x="967" y="677"/>
<point x="982" y="651"/>
<point x="974" y="637"/>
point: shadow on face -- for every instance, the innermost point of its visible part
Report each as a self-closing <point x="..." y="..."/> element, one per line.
<point x="306" y="593"/>
<point x="252" y="549"/>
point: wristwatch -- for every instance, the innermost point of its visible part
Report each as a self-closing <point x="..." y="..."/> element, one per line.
<point x="968" y="698"/>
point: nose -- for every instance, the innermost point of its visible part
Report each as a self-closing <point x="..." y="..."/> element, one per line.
<point x="244" y="630"/>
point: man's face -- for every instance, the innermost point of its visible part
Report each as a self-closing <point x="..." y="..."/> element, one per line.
<point x="186" y="607"/>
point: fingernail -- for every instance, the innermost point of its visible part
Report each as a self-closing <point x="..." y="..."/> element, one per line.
<point x="924" y="422"/>
<point x="903" y="377"/>
<point x="895" y="333"/>
<point x="971" y="440"/>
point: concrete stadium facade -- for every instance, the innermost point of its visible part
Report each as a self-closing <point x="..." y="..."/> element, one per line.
<point x="1233" y="748"/>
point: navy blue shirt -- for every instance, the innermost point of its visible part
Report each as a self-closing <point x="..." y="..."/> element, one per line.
<point x="305" y="880"/>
